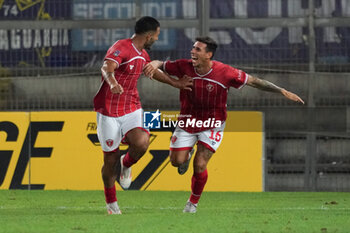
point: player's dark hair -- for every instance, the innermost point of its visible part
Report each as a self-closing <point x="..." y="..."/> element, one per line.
<point x="146" y="24"/>
<point x="211" y="44"/>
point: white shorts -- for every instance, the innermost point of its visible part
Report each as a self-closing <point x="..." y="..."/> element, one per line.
<point x="211" y="139"/>
<point x="112" y="130"/>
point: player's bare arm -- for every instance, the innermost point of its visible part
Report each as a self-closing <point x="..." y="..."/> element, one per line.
<point x="271" y="87"/>
<point x="107" y="70"/>
<point x="184" y="83"/>
<point x="151" y="67"/>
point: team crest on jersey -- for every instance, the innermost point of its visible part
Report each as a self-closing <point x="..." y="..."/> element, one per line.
<point x="109" y="142"/>
<point x="116" y="53"/>
<point x="131" y="67"/>
<point x="210" y="87"/>
<point x="173" y="139"/>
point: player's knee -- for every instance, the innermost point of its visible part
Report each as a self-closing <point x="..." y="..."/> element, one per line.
<point x="177" y="160"/>
<point x="141" y="144"/>
<point x="200" y="167"/>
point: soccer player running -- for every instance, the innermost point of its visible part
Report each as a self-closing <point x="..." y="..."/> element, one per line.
<point x="118" y="107"/>
<point x="208" y="100"/>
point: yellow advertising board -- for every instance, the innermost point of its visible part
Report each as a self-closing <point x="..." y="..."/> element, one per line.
<point x="60" y="150"/>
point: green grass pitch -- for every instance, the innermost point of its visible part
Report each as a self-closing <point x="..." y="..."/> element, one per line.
<point x="23" y="211"/>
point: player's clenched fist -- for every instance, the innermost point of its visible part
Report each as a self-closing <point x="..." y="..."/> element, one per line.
<point x="117" y="89"/>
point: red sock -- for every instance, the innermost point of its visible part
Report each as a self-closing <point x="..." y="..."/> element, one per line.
<point x="198" y="182"/>
<point x="110" y="194"/>
<point x="128" y="161"/>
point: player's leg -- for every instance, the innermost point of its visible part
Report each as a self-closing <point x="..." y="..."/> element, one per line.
<point x="109" y="175"/>
<point x="181" y="149"/>
<point x="108" y="132"/>
<point x="109" y="168"/>
<point x="181" y="159"/>
<point x="208" y="142"/>
<point x="199" y="177"/>
<point x="138" y="140"/>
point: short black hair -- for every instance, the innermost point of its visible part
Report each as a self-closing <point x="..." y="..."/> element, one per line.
<point x="146" y="24"/>
<point x="211" y="44"/>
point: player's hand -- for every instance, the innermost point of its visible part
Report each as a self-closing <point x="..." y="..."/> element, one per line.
<point x="292" y="96"/>
<point x="117" y="89"/>
<point x="151" y="67"/>
<point x="184" y="83"/>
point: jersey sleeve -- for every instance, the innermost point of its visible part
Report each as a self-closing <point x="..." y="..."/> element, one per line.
<point x="238" y="78"/>
<point x="116" y="53"/>
<point x="174" y="67"/>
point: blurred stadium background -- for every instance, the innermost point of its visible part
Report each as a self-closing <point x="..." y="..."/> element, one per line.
<point x="51" y="53"/>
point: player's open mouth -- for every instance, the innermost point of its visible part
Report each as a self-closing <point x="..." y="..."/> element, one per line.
<point x="194" y="58"/>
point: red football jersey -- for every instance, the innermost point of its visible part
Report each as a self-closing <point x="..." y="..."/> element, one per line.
<point x="131" y="62"/>
<point x="208" y="98"/>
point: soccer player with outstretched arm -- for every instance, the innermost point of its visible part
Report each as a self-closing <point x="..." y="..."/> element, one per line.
<point x="207" y="100"/>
